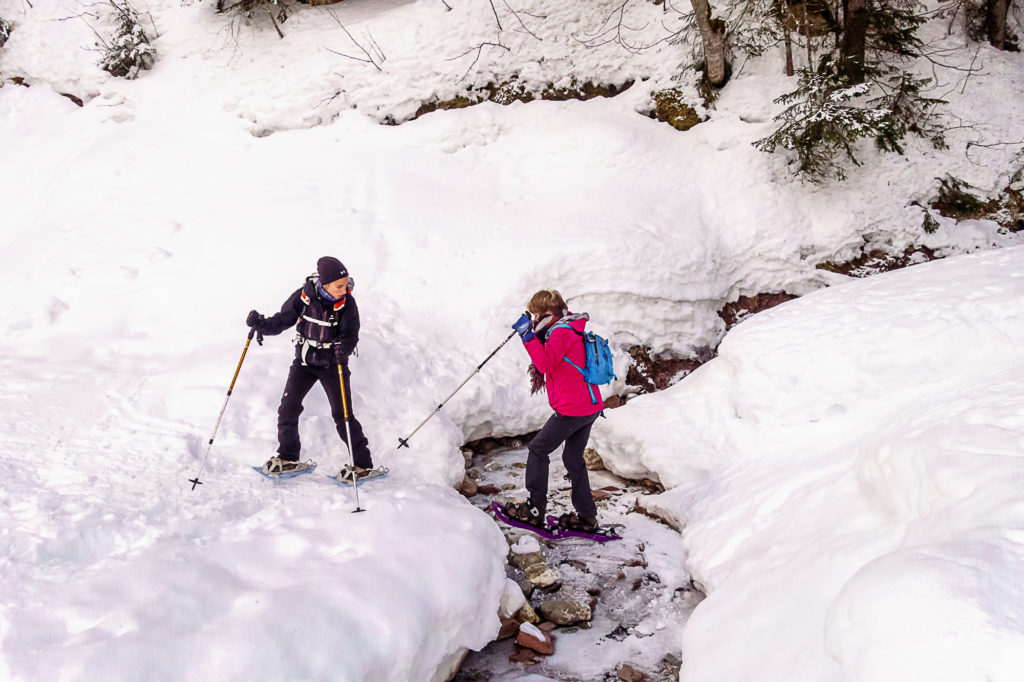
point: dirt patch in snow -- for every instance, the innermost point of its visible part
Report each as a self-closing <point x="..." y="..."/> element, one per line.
<point x="515" y="90"/>
<point x="875" y="262"/>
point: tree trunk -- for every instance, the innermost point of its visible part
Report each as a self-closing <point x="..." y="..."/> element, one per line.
<point x="788" y="40"/>
<point x="995" y="22"/>
<point x="855" y="31"/>
<point x="712" y="36"/>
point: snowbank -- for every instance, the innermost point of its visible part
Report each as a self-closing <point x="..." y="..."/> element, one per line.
<point x="848" y="472"/>
<point x="253" y="589"/>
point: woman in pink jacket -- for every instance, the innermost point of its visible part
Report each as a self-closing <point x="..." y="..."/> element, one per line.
<point x="554" y="340"/>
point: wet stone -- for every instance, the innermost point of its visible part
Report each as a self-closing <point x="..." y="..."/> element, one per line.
<point x="535" y="639"/>
<point x="541" y="576"/>
<point x="526" y="614"/>
<point x="525" y="561"/>
<point x="509" y="628"/>
<point x="469" y="487"/>
<point x="565" y="612"/>
<point x="628" y="673"/>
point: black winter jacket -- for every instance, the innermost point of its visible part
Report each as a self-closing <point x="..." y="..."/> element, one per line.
<point x="339" y="327"/>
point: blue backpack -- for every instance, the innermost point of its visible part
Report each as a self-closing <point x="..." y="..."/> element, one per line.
<point x="598" y="369"/>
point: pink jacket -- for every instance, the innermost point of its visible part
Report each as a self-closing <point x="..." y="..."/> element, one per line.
<point x="568" y="393"/>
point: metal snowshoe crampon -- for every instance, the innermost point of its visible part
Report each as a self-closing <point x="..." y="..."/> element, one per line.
<point x="278" y="468"/>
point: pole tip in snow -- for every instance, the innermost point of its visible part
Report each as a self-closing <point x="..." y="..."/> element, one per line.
<point x="195" y="481"/>
<point x="403" y="443"/>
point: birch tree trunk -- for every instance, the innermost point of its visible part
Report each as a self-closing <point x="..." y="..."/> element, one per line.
<point x="712" y="37"/>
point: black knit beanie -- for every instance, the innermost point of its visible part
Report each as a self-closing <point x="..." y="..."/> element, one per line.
<point x="330" y="270"/>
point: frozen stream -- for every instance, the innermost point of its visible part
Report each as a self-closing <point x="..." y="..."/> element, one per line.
<point x="643" y="593"/>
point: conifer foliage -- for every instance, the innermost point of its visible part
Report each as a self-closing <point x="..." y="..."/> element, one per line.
<point x="5" y="31"/>
<point x="129" y="50"/>
<point x="859" y="88"/>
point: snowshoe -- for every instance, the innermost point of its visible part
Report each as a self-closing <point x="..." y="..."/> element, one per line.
<point x="573" y="521"/>
<point x="572" y="525"/>
<point x="344" y="477"/>
<point x="277" y="468"/>
<point x="525" y="512"/>
<point x="504" y="513"/>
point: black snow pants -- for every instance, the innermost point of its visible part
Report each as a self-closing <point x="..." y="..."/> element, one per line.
<point x="574" y="432"/>
<point x="300" y="380"/>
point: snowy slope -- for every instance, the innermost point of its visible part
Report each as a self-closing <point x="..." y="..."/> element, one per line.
<point x="849" y="467"/>
<point x="139" y="230"/>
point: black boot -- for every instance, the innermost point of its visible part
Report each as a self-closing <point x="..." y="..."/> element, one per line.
<point x="573" y="521"/>
<point x="527" y="512"/>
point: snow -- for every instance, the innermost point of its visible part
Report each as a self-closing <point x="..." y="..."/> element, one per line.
<point x="141" y="228"/>
<point x="526" y="545"/>
<point x="850" y="466"/>
<point x="532" y="630"/>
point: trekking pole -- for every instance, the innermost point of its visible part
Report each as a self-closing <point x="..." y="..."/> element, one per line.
<point x="404" y="442"/>
<point x="348" y="436"/>
<point x="259" y="339"/>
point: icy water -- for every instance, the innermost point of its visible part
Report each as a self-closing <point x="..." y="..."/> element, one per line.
<point x="643" y="593"/>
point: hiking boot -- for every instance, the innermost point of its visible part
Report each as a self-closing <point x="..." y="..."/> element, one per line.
<point x="526" y="512"/>
<point x="361" y="474"/>
<point x="275" y="466"/>
<point x="573" y="521"/>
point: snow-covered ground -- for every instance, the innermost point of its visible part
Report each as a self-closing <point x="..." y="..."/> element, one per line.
<point x="848" y="471"/>
<point x="139" y="229"/>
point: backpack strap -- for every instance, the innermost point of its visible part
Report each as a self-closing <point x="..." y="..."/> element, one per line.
<point x="590" y="387"/>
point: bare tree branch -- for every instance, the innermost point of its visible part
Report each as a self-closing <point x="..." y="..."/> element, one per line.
<point x="370" y="58"/>
<point x="479" y="50"/>
<point x="516" y="14"/>
<point x="495" y="10"/>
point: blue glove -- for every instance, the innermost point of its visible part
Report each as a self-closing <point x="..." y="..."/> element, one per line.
<point x="523" y="326"/>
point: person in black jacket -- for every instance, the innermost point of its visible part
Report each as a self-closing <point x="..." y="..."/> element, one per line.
<point x="327" y="332"/>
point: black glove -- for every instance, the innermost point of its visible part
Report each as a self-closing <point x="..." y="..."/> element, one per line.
<point x="339" y="357"/>
<point x="255" y="320"/>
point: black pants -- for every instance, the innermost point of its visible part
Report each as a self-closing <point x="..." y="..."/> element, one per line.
<point x="300" y="379"/>
<point x="574" y="432"/>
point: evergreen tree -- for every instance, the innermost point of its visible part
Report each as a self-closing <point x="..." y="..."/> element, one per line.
<point x="860" y="89"/>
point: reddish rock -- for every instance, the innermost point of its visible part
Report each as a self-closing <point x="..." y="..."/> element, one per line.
<point x="600" y="495"/>
<point x="488" y="490"/>
<point x="509" y="628"/>
<point x="543" y="645"/>
<point x="521" y="655"/>
<point x="547" y="626"/>
<point x="613" y="401"/>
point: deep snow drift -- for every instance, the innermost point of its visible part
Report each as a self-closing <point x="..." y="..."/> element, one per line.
<point x="139" y="230"/>
<point x="848" y="471"/>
